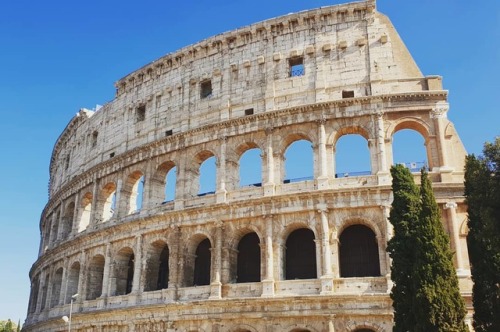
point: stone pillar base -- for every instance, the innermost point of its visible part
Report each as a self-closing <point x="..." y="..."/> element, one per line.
<point x="384" y="178"/>
<point x="220" y="196"/>
<point x="326" y="285"/>
<point x="268" y="288"/>
<point x="322" y="183"/>
<point x="269" y="189"/>
<point x="215" y="290"/>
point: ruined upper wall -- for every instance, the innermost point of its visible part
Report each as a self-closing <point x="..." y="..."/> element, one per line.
<point x="346" y="50"/>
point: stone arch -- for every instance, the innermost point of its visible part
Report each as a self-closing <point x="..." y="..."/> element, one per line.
<point x="419" y="126"/>
<point x="131" y="192"/>
<point x="195" y="175"/>
<point x="204" y="262"/>
<point x="45" y="288"/>
<point x="73" y="281"/>
<point x="55" y="226"/>
<point x="358" y="252"/>
<point x="243" y="328"/>
<point x="364" y="327"/>
<point x="86" y="210"/>
<point x="107" y="201"/>
<point x="122" y="271"/>
<point x="253" y="166"/>
<point x="157" y="266"/>
<point x="95" y="273"/>
<point x="300" y="254"/>
<point x="300" y="328"/>
<point x="35" y="286"/>
<point x="290" y="146"/>
<point x="362" y="159"/>
<point x="248" y="266"/>
<point x="158" y="182"/>
<point x="349" y="129"/>
<point x="67" y="220"/>
<point x="57" y="279"/>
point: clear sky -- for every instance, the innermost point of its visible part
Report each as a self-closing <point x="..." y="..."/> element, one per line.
<point x="59" y="56"/>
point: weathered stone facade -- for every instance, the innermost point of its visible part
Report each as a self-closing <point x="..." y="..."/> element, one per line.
<point x="274" y="256"/>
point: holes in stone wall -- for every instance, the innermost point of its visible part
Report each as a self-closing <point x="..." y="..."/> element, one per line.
<point x="205" y="89"/>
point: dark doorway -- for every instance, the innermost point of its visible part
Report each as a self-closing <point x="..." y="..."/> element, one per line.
<point x="163" y="269"/>
<point x="300" y="255"/>
<point x="248" y="269"/>
<point x="358" y="252"/>
<point x="202" y="264"/>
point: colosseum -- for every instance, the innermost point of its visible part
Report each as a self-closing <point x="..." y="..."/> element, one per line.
<point x="132" y="239"/>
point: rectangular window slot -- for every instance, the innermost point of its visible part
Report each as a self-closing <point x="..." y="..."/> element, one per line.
<point x="249" y="111"/>
<point x="168" y="133"/>
<point x="347" y="94"/>
<point x="206" y="89"/>
<point x="140" y="113"/>
<point x="111" y="155"/>
<point x="296" y="66"/>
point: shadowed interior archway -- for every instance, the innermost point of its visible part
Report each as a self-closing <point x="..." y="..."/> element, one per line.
<point x="300" y="257"/>
<point x="358" y="252"/>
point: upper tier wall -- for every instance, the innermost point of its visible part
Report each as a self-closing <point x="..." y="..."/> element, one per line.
<point x="349" y="48"/>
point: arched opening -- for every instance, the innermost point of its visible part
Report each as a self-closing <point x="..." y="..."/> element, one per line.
<point x="123" y="272"/>
<point x="202" y="264"/>
<point x="248" y="266"/>
<point x="358" y="252"/>
<point x="108" y="197"/>
<point x="170" y="184"/>
<point x="94" y="277"/>
<point x="55" y="228"/>
<point x="56" y="287"/>
<point x="364" y="330"/>
<point x="67" y="220"/>
<point x="409" y="148"/>
<point x="298" y="160"/>
<point x="73" y="280"/>
<point x="34" y="294"/>
<point x="133" y="192"/>
<point x="157" y="272"/>
<point x="300" y="258"/>
<point x="208" y="171"/>
<point x="44" y="292"/>
<point x="250" y="165"/>
<point x="352" y="156"/>
<point x="86" y="207"/>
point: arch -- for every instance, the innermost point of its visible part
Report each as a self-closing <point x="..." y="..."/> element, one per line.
<point x="300" y="256"/>
<point x="352" y="155"/>
<point x="108" y="201"/>
<point x="298" y="160"/>
<point x="157" y="270"/>
<point x="133" y="192"/>
<point x="54" y="227"/>
<point x="409" y="147"/>
<point x="202" y="263"/>
<point x="348" y="129"/>
<point x="364" y="330"/>
<point x="95" y="273"/>
<point x="44" y="292"/>
<point x="358" y="252"/>
<point x="248" y="261"/>
<point x="67" y="220"/>
<point x="123" y="271"/>
<point x="56" y="287"/>
<point x="415" y="125"/>
<point x="73" y="281"/>
<point x="207" y="170"/>
<point x="86" y="210"/>
<point x="250" y="166"/>
<point x="35" y="286"/>
<point x="163" y="182"/>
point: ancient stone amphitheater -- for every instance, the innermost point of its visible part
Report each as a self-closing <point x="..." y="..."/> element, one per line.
<point x="130" y="230"/>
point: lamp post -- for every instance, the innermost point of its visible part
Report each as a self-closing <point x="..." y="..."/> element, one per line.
<point x="65" y="318"/>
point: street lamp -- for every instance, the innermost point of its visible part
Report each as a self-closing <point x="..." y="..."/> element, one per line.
<point x="65" y="318"/>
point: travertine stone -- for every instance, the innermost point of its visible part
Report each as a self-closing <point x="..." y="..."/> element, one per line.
<point x="327" y="73"/>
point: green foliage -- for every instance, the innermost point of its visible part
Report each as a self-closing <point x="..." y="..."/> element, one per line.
<point x="403" y="216"/>
<point x="425" y="294"/>
<point x="482" y="192"/>
<point x="438" y="304"/>
<point x="8" y="326"/>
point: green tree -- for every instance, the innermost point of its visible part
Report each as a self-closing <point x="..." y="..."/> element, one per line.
<point x="438" y="305"/>
<point x="482" y="192"/>
<point x="404" y="215"/>
<point x="7" y="326"/>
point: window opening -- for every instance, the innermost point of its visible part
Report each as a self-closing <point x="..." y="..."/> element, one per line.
<point x="206" y="89"/>
<point x="298" y="162"/>
<point x="358" y="252"/>
<point x="409" y="149"/>
<point x="170" y="182"/>
<point x="352" y="156"/>
<point x="202" y="264"/>
<point x="207" y="177"/>
<point x="296" y="66"/>
<point x="249" y="111"/>
<point x="248" y="267"/>
<point x="251" y="168"/>
<point x="300" y="257"/>
<point x="347" y="94"/>
<point x="140" y="113"/>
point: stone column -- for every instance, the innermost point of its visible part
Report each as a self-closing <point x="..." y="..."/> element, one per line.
<point x="94" y="214"/>
<point x="119" y="203"/>
<point x="322" y="180"/>
<point x="48" y="299"/>
<point x="106" y="272"/>
<point x="64" y="282"/>
<point x="41" y="286"/>
<point x="137" y="265"/>
<point x="221" y="191"/>
<point x="438" y="114"/>
<point x="389" y="233"/>
<point x="61" y="221"/>
<point x="269" y="181"/>
<point x="74" y="224"/>
<point x="335" y="253"/>
<point x="383" y="170"/>
<point x="455" y="234"/>
<point x="81" y="277"/>
<point x="215" y="284"/>
<point x="268" y="282"/>
<point x="326" y="273"/>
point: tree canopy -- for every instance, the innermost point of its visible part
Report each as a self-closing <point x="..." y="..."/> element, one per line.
<point x="482" y="192"/>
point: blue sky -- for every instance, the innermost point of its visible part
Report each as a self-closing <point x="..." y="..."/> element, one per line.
<point x="58" y="56"/>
